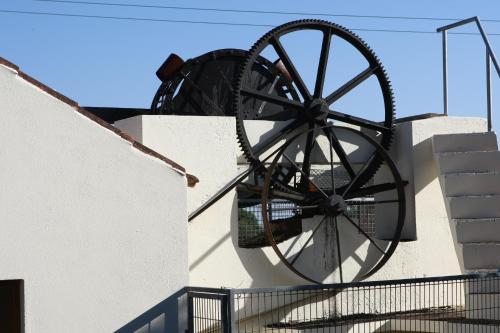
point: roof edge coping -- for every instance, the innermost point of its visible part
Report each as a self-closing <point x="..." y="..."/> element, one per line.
<point x="137" y="145"/>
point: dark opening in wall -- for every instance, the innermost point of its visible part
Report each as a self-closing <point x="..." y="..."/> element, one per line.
<point x="12" y="306"/>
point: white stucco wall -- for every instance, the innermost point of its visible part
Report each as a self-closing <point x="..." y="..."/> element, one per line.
<point x="207" y="146"/>
<point x="95" y="227"/>
<point x="434" y="252"/>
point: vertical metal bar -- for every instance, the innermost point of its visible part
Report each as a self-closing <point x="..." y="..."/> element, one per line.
<point x="230" y="311"/>
<point x="203" y="316"/>
<point x="190" y="314"/>
<point x="488" y="88"/>
<point x="224" y="310"/>
<point x="445" y="72"/>
<point x="487" y="44"/>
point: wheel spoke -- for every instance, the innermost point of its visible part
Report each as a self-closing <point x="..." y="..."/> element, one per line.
<point x="346" y="118"/>
<point x="353" y="83"/>
<point x="306" y="163"/>
<point x="354" y="183"/>
<point x="271" y="98"/>
<point x="291" y="68"/>
<point x="332" y="167"/>
<point x="364" y="233"/>
<point x="339" y="255"/>
<point x="303" y="175"/>
<point x="263" y="146"/>
<point x="371" y="190"/>
<point x="269" y="91"/>
<point x="307" y="242"/>
<point x="323" y="62"/>
<point x="335" y="143"/>
<point x="203" y="95"/>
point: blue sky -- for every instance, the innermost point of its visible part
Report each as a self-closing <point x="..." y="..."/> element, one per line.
<point x="112" y="63"/>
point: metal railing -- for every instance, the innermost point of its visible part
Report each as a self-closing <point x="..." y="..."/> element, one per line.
<point x="463" y="303"/>
<point x="490" y="57"/>
<point x="208" y="310"/>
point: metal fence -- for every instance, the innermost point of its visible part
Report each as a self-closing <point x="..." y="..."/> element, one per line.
<point x="465" y="303"/>
<point x="208" y="310"/>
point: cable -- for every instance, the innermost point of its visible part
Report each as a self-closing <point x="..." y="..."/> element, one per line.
<point x="258" y="11"/>
<point x="132" y="18"/>
<point x="124" y="18"/>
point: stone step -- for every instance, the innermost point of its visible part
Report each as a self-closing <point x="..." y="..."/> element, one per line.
<point x="477" y="230"/>
<point x="471" y="183"/>
<point x="482" y="306"/>
<point x="475" y="161"/>
<point x="462" y="142"/>
<point x="474" y="206"/>
<point x="481" y="255"/>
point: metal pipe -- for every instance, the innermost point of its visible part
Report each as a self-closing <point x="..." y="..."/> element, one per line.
<point x="488" y="88"/>
<point x="490" y="57"/>
<point x="222" y="192"/>
<point x="457" y="24"/>
<point x="489" y="50"/>
<point x="445" y="72"/>
<point x="233" y="328"/>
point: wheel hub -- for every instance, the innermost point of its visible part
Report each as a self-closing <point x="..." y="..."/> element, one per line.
<point x="318" y="109"/>
<point x="333" y="205"/>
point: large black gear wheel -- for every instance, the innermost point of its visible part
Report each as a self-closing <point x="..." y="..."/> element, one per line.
<point x="312" y="109"/>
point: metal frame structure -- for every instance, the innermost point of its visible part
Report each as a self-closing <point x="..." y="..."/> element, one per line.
<point x="433" y="304"/>
<point x="490" y="57"/>
<point x="314" y="110"/>
<point x="283" y="97"/>
<point x="208" y="310"/>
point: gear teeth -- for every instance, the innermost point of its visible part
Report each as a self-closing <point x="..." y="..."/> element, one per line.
<point x="350" y="37"/>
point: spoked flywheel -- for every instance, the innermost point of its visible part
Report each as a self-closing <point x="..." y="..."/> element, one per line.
<point x="346" y="230"/>
<point x="204" y="85"/>
<point x="317" y="102"/>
